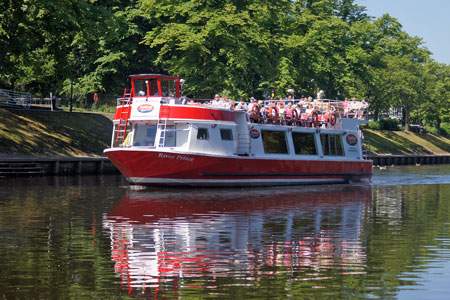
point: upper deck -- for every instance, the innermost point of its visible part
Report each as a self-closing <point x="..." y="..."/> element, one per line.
<point x="155" y="97"/>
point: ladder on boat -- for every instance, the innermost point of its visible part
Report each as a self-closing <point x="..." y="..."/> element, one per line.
<point x="162" y="124"/>
<point x="124" y="116"/>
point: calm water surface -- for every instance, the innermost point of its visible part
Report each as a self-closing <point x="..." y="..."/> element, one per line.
<point x="95" y="238"/>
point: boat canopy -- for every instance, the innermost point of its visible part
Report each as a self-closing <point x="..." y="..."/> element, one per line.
<point x="154" y="85"/>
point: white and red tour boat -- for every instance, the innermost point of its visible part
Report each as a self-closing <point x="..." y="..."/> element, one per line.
<point x="160" y="138"/>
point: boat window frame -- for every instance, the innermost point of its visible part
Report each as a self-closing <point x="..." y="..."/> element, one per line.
<point x="226" y="138"/>
<point x="312" y="134"/>
<point x="265" y="140"/>
<point x="206" y="132"/>
<point x="339" y="144"/>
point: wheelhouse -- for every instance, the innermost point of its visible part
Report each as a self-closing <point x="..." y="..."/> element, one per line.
<point x="154" y="85"/>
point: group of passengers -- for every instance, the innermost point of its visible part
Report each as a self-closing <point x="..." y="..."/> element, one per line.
<point x="355" y="109"/>
<point x="287" y="111"/>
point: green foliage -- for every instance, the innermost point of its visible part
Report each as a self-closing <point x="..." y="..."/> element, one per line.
<point x="374" y="125"/>
<point x="389" y="124"/>
<point x="237" y="48"/>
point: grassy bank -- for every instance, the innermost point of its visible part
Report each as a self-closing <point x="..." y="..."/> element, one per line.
<point x="385" y="142"/>
<point x="45" y="133"/>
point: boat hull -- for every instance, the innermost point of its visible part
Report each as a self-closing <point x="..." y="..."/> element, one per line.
<point x="150" y="167"/>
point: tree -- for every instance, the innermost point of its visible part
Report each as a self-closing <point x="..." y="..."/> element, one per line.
<point x="434" y="107"/>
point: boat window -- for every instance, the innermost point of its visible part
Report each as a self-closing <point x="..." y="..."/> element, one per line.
<point x="226" y="134"/>
<point x="170" y="136"/>
<point x="146" y="87"/>
<point x="274" y="141"/>
<point x="202" y="134"/>
<point x="304" y="143"/>
<point x="145" y="135"/>
<point x="168" y="87"/>
<point x="331" y="144"/>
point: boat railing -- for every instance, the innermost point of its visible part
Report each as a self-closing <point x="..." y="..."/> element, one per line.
<point x="125" y="100"/>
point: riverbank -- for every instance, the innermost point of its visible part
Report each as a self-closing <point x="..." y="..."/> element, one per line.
<point x="30" y="134"/>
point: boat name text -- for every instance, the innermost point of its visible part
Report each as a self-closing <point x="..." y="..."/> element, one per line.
<point x="177" y="157"/>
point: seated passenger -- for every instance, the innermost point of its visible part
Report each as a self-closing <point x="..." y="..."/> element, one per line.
<point x="361" y="108"/>
<point x="241" y="105"/>
<point x="216" y="101"/>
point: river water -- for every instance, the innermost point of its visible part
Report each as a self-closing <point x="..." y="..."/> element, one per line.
<point x="95" y="238"/>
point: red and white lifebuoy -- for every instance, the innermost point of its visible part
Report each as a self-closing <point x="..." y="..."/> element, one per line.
<point x="255" y="112"/>
<point x="332" y="119"/>
<point x="273" y="113"/>
<point x="294" y="114"/>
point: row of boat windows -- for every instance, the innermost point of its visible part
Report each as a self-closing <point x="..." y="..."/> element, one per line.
<point x="274" y="142"/>
<point x="304" y="143"/>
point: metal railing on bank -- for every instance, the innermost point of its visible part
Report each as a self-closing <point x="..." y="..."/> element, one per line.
<point x="12" y="98"/>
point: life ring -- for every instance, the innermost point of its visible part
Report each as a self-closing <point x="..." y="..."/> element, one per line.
<point x="332" y="118"/>
<point x="255" y="112"/>
<point x="273" y="116"/>
<point x="294" y="114"/>
<point x="314" y="116"/>
<point x="95" y="97"/>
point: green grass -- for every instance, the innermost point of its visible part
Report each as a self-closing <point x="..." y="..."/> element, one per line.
<point x="45" y="133"/>
<point x="404" y="143"/>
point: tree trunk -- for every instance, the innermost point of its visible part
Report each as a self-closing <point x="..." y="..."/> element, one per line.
<point x="438" y="125"/>
<point x="406" y="117"/>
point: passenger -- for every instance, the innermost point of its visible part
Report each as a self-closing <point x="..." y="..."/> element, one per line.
<point x="251" y="104"/>
<point x="362" y="107"/>
<point x="320" y="94"/>
<point x="309" y="109"/>
<point x="281" y="111"/>
<point x="228" y="103"/>
<point x="264" y="110"/>
<point x="216" y="101"/>
<point x="288" y="113"/>
<point x="346" y="104"/>
<point x="241" y="105"/>
<point x="352" y="108"/>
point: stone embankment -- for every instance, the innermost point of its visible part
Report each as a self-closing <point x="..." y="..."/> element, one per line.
<point x="56" y="166"/>
<point x="388" y="160"/>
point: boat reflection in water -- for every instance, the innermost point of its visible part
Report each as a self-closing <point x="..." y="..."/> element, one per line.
<point x="165" y="240"/>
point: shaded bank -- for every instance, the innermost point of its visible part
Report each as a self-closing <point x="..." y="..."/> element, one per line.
<point x="26" y="133"/>
<point x="30" y="134"/>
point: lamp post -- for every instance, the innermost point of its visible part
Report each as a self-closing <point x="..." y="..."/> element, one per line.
<point x="71" y="93"/>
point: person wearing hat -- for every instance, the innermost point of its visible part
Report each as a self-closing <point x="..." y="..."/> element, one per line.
<point x="216" y="101"/>
<point x="251" y="104"/>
